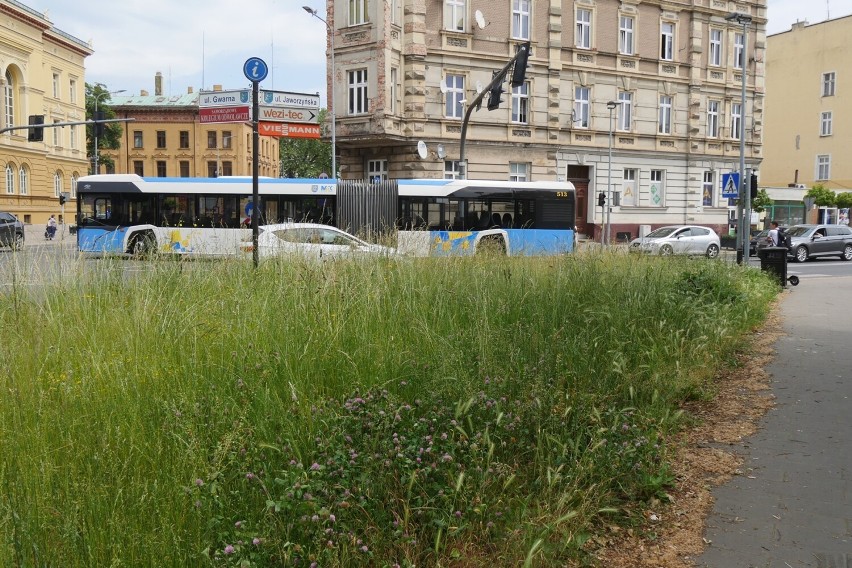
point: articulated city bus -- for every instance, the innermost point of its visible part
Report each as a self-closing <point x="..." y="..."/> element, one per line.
<point x="129" y="214"/>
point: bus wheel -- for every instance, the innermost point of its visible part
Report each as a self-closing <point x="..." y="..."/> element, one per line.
<point x="143" y="245"/>
<point x="494" y="246"/>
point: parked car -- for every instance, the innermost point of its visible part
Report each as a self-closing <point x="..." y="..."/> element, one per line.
<point x="760" y="240"/>
<point x="312" y="241"/>
<point x="678" y="239"/>
<point x="807" y="241"/>
<point x="11" y="231"/>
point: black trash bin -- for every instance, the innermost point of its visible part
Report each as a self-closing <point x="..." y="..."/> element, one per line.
<point x="774" y="260"/>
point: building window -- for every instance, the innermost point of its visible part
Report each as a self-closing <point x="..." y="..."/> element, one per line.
<point x="519" y="171"/>
<point x="452" y="169"/>
<point x="73" y="186"/>
<point x="24" y="176"/>
<point x="667" y="34"/>
<point x="72" y="90"/>
<point x="358" y="91"/>
<point x="161" y="139"/>
<point x="583" y="38"/>
<point x="357" y="12"/>
<point x="628" y="188"/>
<point x="72" y="132"/>
<point x="394" y="8"/>
<point x="454" y="15"/>
<point x="9" y="99"/>
<point x="226" y="139"/>
<point x="736" y="120"/>
<point x="625" y="35"/>
<point x="712" y="119"/>
<point x="520" y="103"/>
<point x="825" y="124"/>
<point x="184" y="169"/>
<point x="57" y="184"/>
<point x="56" y="91"/>
<point x="625" y="111"/>
<point x="184" y="139"/>
<point x="10" y="179"/>
<point x="212" y="139"/>
<point x="823" y="168"/>
<point x="658" y="188"/>
<point x="827" y="84"/>
<point x="110" y="168"/>
<point x="708" y="189"/>
<point x="377" y="170"/>
<point x="665" y="120"/>
<point x="227" y="168"/>
<point x="715" y="48"/>
<point x="56" y="135"/>
<point x="739" y="50"/>
<point x="454" y="96"/>
<point x="581" y="107"/>
<point x="161" y="168"/>
<point x="138" y="168"/>
<point x="394" y="77"/>
<point x="137" y="139"/>
<point x="521" y="19"/>
<point x="212" y="169"/>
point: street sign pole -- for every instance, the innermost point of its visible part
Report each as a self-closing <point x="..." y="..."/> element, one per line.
<point x="255" y="70"/>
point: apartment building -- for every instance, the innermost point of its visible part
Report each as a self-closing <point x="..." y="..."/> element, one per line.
<point x="42" y="72"/>
<point x="657" y="81"/>
<point x="809" y="114"/>
<point x="166" y="138"/>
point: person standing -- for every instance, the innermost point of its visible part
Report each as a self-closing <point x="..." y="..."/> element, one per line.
<point x="773" y="234"/>
<point x="51" y="227"/>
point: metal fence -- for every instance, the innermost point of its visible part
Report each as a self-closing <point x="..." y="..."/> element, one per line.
<point x="367" y="208"/>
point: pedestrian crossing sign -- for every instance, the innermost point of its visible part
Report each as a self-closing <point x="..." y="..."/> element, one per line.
<point x="730" y="185"/>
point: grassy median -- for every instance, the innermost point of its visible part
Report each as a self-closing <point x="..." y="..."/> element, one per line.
<point x="383" y="413"/>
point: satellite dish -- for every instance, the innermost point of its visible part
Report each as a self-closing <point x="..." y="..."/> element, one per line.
<point x="479" y="87"/>
<point x="422" y="151"/>
<point x="442" y="152"/>
<point x="443" y="85"/>
<point x="480" y="19"/>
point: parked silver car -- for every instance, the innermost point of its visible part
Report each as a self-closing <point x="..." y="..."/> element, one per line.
<point x="11" y="231"/>
<point x="311" y="241"/>
<point x="678" y="239"/>
<point x="807" y="241"/>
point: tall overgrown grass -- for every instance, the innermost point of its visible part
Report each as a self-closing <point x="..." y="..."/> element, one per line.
<point x="389" y="413"/>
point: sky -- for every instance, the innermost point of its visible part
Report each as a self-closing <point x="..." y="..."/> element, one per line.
<point x="198" y="44"/>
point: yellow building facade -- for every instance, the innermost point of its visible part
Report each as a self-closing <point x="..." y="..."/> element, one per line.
<point x="42" y="72"/>
<point x="166" y="138"/>
<point x="809" y="106"/>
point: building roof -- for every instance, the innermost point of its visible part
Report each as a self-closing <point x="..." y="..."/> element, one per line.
<point x="803" y="24"/>
<point x="41" y="20"/>
<point x="160" y="101"/>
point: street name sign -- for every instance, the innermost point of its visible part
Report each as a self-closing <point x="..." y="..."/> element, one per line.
<point x="287" y="99"/>
<point x="224" y="98"/>
<point x="288" y="130"/>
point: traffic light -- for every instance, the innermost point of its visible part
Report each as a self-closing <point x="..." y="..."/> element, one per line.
<point x="601" y="199"/>
<point x="495" y="93"/>
<point x="62" y="198"/>
<point x="519" y="71"/>
<point x="99" y="126"/>
<point x="36" y="134"/>
<point x="753" y="187"/>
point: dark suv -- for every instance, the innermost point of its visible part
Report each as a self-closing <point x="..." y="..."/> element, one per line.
<point x="808" y="241"/>
<point x="11" y="231"/>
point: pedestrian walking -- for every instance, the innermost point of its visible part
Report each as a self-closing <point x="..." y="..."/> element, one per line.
<point x="51" y="228"/>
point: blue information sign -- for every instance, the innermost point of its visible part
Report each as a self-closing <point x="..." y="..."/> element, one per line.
<point x="731" y="185"/>
<point x="255" y="69"/>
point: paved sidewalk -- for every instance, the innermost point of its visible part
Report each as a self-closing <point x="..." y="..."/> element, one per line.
<point x="792" y="506"/>
<point x="34" y="235"/>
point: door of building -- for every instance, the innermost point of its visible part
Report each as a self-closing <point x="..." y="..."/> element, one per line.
<point x="579" y="176"/>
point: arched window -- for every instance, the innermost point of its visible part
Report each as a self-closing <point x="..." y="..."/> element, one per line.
<point x="57" y="183"/>
<point x="10" y="179"/>
<point x="74" y="177"/>
<point x="9" y="99"/>
<point x="24" y="181"/>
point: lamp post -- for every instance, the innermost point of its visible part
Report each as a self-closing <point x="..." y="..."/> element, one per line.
<point x="611" y="107"/>
<point x="743" y="236"/>
<point x="333" y="109"/>
<point x="95" y="127"/>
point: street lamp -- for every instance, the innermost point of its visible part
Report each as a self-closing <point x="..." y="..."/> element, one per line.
<point x="333" y="109"/>
<point x="95" y="127"/>
<point x="743" y="236"/>
<point x="611" y="106"/>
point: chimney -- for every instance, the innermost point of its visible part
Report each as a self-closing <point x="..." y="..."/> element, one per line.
<point x="217" y="87"/>
<point x="189" y="90"/>
<point x="143" y="92"/>
<point x="799" y="25"/>
<point x="158" y="84"/>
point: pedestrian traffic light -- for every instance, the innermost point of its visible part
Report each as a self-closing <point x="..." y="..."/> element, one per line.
<point x="36" y="133"/>
<point x="753" y="187"/>
<point x="601" y="199"/>
<point x="495" y="93"/>
<point x="99" y="126"/>
<point x="519" y="71"/>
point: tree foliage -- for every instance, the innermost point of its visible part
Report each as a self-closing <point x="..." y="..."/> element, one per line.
<point x="111" y="138"/>
<point x="761" y="202"/>
<point x="844" y="200"/>
<point x="302" y="158"/>
<point x="822" y="196"/>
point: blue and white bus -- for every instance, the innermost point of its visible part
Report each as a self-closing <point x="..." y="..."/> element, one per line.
<point x="129" y="214"/>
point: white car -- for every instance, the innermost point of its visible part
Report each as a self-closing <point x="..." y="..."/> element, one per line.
<point x="678" y="239"/>
<point x="312" y="241"/>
